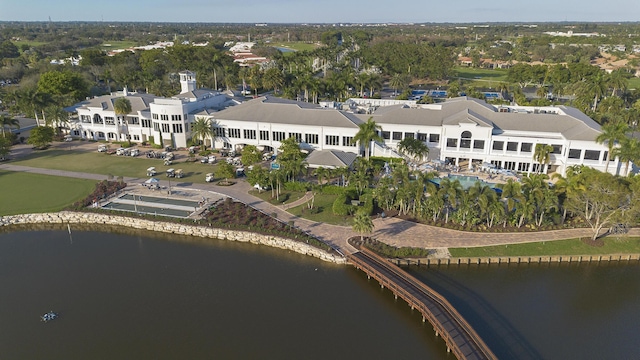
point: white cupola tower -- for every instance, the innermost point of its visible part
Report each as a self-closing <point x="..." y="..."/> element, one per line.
<point x="187" y="81"/>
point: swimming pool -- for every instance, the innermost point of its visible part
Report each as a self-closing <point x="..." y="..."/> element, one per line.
<point x="468" y="181"/>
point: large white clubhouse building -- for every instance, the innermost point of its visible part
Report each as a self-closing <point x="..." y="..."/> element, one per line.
<point x="153" y="119"/>
<point x="462" y="131"/>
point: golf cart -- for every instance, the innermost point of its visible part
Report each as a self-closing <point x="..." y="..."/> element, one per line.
<point x="209" y="177"/>
<point x="151" y="171"/>
<point x="167" y="162"/>
<point x="171" y="173"/>
<point x="102" y="148"/>
<point x="179" y="173"/>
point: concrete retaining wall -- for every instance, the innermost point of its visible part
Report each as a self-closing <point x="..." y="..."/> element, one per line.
<point x="69" y="217"/>
<point x="519" y="259"/>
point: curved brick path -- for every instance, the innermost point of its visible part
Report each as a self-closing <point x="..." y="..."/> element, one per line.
<point x="392" y="231"/>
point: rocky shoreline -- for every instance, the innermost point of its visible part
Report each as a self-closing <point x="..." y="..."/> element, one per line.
<point x="70" y="217"/>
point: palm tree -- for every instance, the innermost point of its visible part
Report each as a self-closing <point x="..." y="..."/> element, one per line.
<point x="629" y="151"/>
<point x="362" y="224"/>
<point x="449" y="192"/>
<point x="122" y="107"/>
<point x="611" y="133"/>
<point x="542" y="155"/>
<point x="321" y="173"/>
<point x="413" y="148"/>
<point x="57" y="117"/>
<point x="375" y="82"/>
<point x="398" y="81"/>
<point x="368" y="132"/>
<point x="8" y="121"/>
<point x="512" y="193"/>
<point x="201" y="129"/>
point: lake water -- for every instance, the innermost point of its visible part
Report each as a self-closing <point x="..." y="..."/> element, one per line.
<point x="138" y="295"/>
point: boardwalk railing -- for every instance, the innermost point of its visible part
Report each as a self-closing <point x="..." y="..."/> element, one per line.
<point x="458" y="335"/>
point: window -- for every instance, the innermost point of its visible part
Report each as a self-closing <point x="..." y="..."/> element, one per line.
<point x="136" y="137"/>
<point x="186" y="127"/>
<point x="422" y="137"/>
<point x="164" y="117"/>
<point x="526" y="147"/>
<point x="176" y="117"/>
<point x="434" y="138"/>
<point x="348" y="141"/>
<point x="278" y="135"/>
<point x="557" y="149"/>
<point x="478" y="144"/>
<point x="85" y="118"/>
<point x="264" y="135"/>
<point x="523" y="167"/>
<point x="409" y="135"/>
<point x="332" y="140"/>
<point x="510" y="165"/>
<point x="111" y="135"/>
<point x="297" y="136"/>
<point x="591" y="155"/>
<point x="156" y="126"/>
<point x="177" y="128"/>
<point x="219" y="131"/>
<point x="311" y="138"/>
<point x="498" y="145"/>
<point x="575" y="153"/>
<point x="512" y="146"/>
<point x="109" y="120"/>
<point x="452" y="143"/>
<point x="249" y="134"/>
<point x="234" y="133"/>
<point x="397" y="135"/>
<point x="146" y="123"/>
<point x="134" y="120"/>
<point x="386" y="135"/>
<point x="465" y="140"/>
<point x="154" y="116"/>
<point x="165" y="128"/>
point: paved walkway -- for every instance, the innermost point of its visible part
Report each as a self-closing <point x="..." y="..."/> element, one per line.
<point x="392" y="231"/>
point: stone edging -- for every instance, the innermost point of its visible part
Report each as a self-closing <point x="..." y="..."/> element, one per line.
<point x="70" y="217"/>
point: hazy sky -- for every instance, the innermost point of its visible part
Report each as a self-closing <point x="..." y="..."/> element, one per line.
<point x="320" y="11"/>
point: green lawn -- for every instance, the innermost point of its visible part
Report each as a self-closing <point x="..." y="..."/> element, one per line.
<point x="634" y="83"/>
<point x="324" y="205"/>
<point x="101" y="163"/>
<point x="563" y="247"/>
<point x="296" y="45"/>
<point x="24" y="193"/>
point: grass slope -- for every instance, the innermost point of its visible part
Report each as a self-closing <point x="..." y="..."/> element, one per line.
<point x="24" y="193"/>
<point x="101" y="163"/>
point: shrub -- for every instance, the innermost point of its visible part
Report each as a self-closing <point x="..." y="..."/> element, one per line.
<point x="331" y="189"/>
<point x="340" y="206"/>
<point x="367" y="201"/>
<point x="296" y="186"/>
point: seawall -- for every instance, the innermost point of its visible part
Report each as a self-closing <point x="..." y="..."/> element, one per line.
<point x="70" y="217"/>
<point x="518" y="259"/>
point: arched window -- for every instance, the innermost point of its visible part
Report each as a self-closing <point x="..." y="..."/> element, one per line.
<point x="97" y="119"/>
<point x="465" y="140"/>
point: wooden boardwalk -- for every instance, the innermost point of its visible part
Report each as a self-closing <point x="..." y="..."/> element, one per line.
<point x="459" y="336"/>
